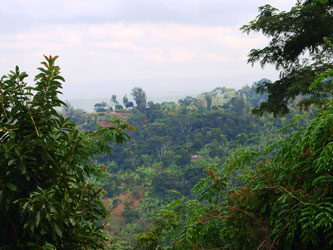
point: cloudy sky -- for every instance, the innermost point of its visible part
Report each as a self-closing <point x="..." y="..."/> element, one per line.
<point x="167" y="47"/>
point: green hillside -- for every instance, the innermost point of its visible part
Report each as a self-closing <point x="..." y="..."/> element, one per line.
<point x="173" y="146"/>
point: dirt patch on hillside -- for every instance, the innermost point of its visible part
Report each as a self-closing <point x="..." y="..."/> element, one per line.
<point x="129" y="197"/>
<point x="117" y="220"/>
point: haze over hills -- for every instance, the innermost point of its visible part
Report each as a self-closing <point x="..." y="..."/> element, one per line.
<point x="81" y="101"/>
<point x="88" y="104"/>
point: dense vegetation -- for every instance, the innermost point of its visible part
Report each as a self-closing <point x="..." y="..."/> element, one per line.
<point x="202" y="173"/>
<point x="281" y="201"/>
<point x="173" y="145"/>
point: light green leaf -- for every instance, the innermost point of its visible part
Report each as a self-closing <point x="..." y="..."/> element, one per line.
<point x="57" y="230"/>
<point x="11" y="186"/>
<point x="10" y="162"/>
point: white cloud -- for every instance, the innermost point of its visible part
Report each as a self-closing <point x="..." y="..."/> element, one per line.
<point x="141" y="50"/>
<point x="172" y="42"/>
<point x="216" y="57"/>
<point x="118" y="45"/>
<point x="132" y="40"/>
<point x="16" y="14"/>
<point x="117" y="30"/>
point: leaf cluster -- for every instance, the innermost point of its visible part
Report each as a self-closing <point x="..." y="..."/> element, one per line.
<point x="297" y="47"/>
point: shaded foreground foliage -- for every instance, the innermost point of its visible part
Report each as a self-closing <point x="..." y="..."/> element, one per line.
<point x="48" y="195"/>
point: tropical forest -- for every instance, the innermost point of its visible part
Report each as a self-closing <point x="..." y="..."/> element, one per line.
<point x="246" y="168"/>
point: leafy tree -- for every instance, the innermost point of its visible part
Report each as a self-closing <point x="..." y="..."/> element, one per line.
<point x="114" y="99"/>
<point x="250" y="94"/>
<point x="125" y="100"/>
<point x="187" y="101"/>
<point x="140" y="98"/>
<point x="100" y="107"/>
<point x="129" y="214"/>
<point x="155" y="111"/>
<point x="298" y="48"/>
<point x="48" y="195"/>
<point x="209" y="100"/>
<point x="118" y="107"/>
<point x="183" y="155"/>
<point x="115" y="102"/>
<point x="127" y="103"/>
<point x="160" y="144"/>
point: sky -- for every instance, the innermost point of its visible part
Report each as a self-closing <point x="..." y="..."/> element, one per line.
<point x="106" y="47"/>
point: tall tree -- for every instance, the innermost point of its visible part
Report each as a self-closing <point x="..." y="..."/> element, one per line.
<point x="187" y="101"/>
<point x="298" y="48"/>
<point x="115" y="102"/>
<point x="209" y="100"/>
<point x="48" y="199"/>
<point x="114" y="99"/>
<point x="125" y="100"/>
<point x="139" y="97"/>
<point x="127" y="103"/>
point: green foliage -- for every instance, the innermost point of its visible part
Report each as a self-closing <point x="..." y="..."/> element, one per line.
<point x="48" y="195"/>
<point x="172" y="147"/>
<point x="129" y="213"/>
<point x="139" y="97"/>
<point x="298" y="47"/>
<point x="100" y="107"/>
<point x="281" y="201"/>
<point x="114" y="99"/>
<point x="127" y="103"/>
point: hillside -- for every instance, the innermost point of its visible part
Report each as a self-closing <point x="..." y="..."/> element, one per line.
<point x="173" y="145"/>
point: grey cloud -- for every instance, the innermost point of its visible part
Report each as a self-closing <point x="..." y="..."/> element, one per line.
<point x="18" y="14"/>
